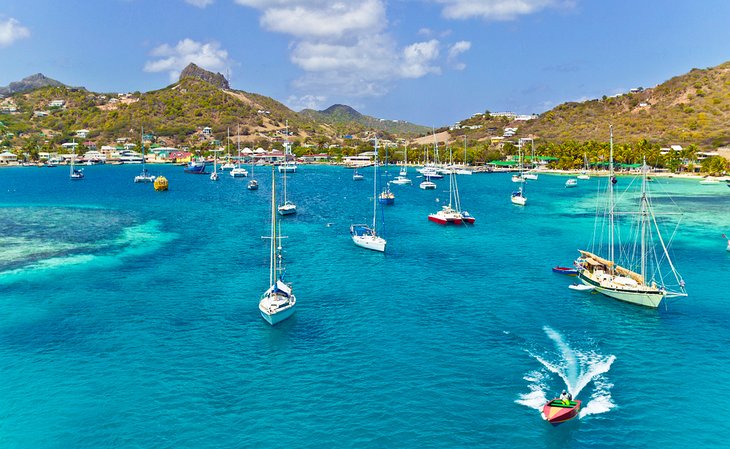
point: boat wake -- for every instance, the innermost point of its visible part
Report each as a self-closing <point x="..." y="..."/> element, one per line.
<point x="577" y="369"/>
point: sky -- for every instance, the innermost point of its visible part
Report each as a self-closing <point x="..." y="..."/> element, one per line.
<point x="430" y="62"/>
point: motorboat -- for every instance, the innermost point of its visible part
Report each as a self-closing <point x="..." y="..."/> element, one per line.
<point x="572" y="182"/>
<point x="558" y="411"/>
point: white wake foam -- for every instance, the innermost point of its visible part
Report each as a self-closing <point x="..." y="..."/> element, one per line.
<point x="578" y="369"/>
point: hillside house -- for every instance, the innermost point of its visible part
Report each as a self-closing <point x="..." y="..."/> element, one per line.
<point x="207" y="131"/>
<point x="82" y="133"/>
<point x="6" y="157"/>
<point x="57" y="104"/>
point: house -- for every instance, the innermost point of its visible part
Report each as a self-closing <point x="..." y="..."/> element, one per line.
<point x="129" y="146"/>
<point x="40" y="113"/>
<point x="57" y="104"/>
<point x="95" y="156"/>
<point x="70" y="146"/>
<point x="90" y="145"/>
<point x="6" y="157"/>
<point x="207" y="131"/>
<point x="82" y="133"/>
<point x="8" y="109"/>
<point x="321" y="157"/>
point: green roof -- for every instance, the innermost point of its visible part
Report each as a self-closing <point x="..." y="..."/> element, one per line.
<point x="503" y="163"/>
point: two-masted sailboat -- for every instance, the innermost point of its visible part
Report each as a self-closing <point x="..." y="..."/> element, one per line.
<point x="642" y="272"/>
<point x="278" y="302"/>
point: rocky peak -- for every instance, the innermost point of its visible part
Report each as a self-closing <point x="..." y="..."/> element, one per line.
<point x="29" y="83"/>
<point x="216" y="79"/>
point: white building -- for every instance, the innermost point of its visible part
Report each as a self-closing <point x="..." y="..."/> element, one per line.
<point x="56" y="104"/>
<point x="6" y="157"/>
<point x="83" y="133"/>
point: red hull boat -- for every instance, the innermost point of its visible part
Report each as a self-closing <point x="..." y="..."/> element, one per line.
<point x="557" y="411"/>
<point x="565" y="270"/>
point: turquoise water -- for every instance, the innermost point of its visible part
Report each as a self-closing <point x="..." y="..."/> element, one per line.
<point x="129" y="318"/>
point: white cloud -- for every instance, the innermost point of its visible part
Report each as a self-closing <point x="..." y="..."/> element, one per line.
<point x="207" y="55"/>
<point x="455" y="50"/>
<point x="200" y="3"/>
<point x="343" y="46"/>
<point x="418" y="59"/>
<point x="11" y="30"/>
<point x="316" y="102"/>
<point x="498" y="9"/>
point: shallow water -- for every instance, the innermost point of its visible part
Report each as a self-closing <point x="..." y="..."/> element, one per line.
<point x="129" y="318"/>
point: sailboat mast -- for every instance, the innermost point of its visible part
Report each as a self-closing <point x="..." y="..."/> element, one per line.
<point x="644" y="220"/>
<point x="610" y="202"/>
<point x="375" y="186"/>
<point x="451" y="176"/>
<point x="272" y="252"/>
<point x="141" y="143"/>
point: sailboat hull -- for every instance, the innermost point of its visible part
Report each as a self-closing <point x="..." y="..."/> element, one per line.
<point x="647" y="298"/>
<point x="370" y="242"/>
<point x="277" y="316"/>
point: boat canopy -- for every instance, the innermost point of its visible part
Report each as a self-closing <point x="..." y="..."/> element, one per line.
<point x="281" y="287"/>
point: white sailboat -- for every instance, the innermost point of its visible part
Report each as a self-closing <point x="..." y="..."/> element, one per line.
<point x="531" y="174"/>
<point x="402" y="178"/>
<point x="289" y="165"/>
<point x="584" y="173"/>
<point x="238" y="171"/>
<point x="145" y="176"/>
<point x="463" y="170"/>
<point x="252" y="183"/>
<point x="287" y="207"/>
<point x="518" y="196"/>
<point x="278" y="301"/>
<point x="363" y="235"/>
<point x="645" y="271"/>
<point x="214" y="174"/>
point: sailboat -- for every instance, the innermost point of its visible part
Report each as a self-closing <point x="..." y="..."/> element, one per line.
<point x="278" y="301"/>
<point x="518" y="196"/>
<point x="214" y="175"/>
<point x="447" y="214"/>
<point x="402" y="178"/>
<point x="228" y="165"/>
<point x="362" y="234"/>
<point x="531" y="174"/>
<point x="357" y="176"/>
<point x="584" y="173"/>
<point x="289" y="166"/>
<point x="75" y="174"/>
<point x="252" y="183"/>
<point x="463" y="170"/>
<point x="238" y="172"/>
<point x="287" y="207"/>
<point x="642" y="278"/>
<point x="145" y="176"/>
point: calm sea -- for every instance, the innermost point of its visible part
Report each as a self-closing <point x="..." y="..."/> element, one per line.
<point x="128" y="318"/>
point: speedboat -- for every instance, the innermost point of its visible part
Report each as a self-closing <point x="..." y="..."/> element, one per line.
<point x="558" y="411"/>
<point x="357" y="176"/>
<point x="581" y="287"/>
<point x="571" y="183"/>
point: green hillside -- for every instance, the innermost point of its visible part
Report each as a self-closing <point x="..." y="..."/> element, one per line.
<point x="348" y="121"/>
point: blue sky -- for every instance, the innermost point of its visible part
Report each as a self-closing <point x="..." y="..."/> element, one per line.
<point x="431" y="62"/>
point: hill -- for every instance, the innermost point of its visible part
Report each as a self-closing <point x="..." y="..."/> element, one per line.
<point x="693" y="108"/>
<point x="351" y="122"/>
<point x="29" y="83"/>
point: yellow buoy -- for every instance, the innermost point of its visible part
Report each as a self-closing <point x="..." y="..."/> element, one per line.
<point x="160" y="183"/>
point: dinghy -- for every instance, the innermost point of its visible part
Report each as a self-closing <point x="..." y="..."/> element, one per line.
<point x="557" y="411"/>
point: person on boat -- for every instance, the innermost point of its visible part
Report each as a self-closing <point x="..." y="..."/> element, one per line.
<point x="566" y="397"/>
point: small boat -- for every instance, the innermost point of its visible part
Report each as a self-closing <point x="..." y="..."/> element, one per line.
<point x="195" y="167"/>
<point x="287" y="207"/>
<point x="401" y="181"/>
<point x="518" y="178"/>
<point x="357" y="176"/>
<point x="557" y="411"/>
<point x="710" y="181"/>
<point x="289" y="165"/>
<point x="238" y="171"/>
<point x="145" y="176"/>
<point x="565" y="270"/>
<point x="571" y="183"/>
<point x="160" y="184"/>
<point x="530" y="175"/>
<point x="581" y="287"/>
<point x="427" y="184"/>
<point x="252" y="185"/>
<point x="728" y="241"/>
<point x="214" y="175"/>
<point x="386" y="196"/>
<point x="278" y="301"/>
<point x="366" y="236"/>
<point x="518" y="197"/>
<point x="75" y="174"/>
<point x="584" y="173"/>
